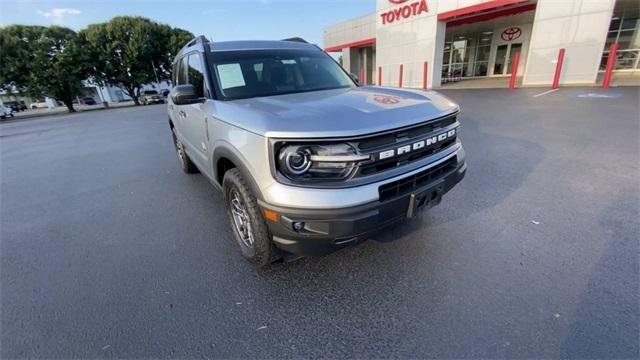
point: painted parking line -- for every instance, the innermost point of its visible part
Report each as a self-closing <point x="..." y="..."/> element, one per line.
<point x="546" y="92"/>
<point x="609" y="95"/>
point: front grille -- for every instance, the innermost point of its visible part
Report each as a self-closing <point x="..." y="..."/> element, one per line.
<point x="402" y="137"/>
<point x="392" y="138"/>
<point x="410" y="183"/>
<point x="382" y="165"/>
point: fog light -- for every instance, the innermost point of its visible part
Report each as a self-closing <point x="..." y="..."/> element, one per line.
<point x="298" y="225"/>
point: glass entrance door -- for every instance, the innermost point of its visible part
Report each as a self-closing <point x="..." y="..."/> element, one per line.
<point x="504" y="58"/>
<point x="501" y="56"/>
<point x="512" y="53"/>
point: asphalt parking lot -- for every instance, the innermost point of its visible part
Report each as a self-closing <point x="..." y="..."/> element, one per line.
<point x="109" y="250"/>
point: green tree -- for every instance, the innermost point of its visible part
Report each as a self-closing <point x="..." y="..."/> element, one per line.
<point x="131" y="51"/>
<point x="43" y="61"/>
<point x="16" y="54"/>
<point x="178" y="39"/>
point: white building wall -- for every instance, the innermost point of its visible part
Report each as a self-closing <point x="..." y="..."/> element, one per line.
<point x="409" y="42"/>
<point x="579" y="26"/>
<point x="412" y="41"/>
<point x="360" y="28"/>
<point x="448" y="5"/>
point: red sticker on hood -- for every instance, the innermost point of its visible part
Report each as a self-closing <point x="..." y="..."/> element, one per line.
<point x="386" y="99"/>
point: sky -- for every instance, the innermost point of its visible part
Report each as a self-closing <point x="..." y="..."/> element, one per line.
<point x="219" y="20"/>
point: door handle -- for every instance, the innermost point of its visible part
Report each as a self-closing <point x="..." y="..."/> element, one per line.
<point x="182" y="113"/>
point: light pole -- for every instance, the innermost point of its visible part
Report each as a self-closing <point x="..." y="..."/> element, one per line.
<point x="155" y="73"/>
<point x="105" y="103"/>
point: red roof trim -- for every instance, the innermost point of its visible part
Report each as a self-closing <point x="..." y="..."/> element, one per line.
<point x="470" y="10"/>
<point x="492" y="15"/>
<point x="351" y="44"/>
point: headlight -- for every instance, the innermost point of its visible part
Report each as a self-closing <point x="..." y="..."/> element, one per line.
<point x="296" y="160"/>
<point x="302" y="162"/>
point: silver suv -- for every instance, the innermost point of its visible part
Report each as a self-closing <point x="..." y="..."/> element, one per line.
<point x="308" y="160"/>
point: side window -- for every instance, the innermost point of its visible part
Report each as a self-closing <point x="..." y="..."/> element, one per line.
<point x="258" y="67"/>
<point x="182" y="74"/>
<point x="196" y="75"/>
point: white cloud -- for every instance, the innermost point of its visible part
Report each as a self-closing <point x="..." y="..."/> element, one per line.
<point x="58" y="14"/>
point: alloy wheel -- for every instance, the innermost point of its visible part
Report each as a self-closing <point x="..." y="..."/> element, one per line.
<point x="241" y="219"/>
<point x="179" y="150"/>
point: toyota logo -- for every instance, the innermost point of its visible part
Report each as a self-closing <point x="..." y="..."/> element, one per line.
<point x="509" y="34"/>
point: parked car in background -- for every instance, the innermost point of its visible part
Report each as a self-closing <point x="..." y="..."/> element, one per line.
<point x="89" y="100"/>
<point x="150" y="97"/>
<point x="16" y="106"/>
<point x="5" y="112"/>
<point x="38" y="105"/>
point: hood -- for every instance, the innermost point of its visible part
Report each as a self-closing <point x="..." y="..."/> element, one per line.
<point x="334" y="113"/>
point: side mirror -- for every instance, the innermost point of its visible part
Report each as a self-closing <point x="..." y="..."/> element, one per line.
<point x="355" y="78"/>
<point x="184" y="95"/>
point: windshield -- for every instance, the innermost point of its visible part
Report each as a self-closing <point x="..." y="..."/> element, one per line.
<point x="251" y="73"/>
<point x="151" y="92"/>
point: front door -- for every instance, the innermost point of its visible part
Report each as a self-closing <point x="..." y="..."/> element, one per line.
<point x="505" y="54"/>
<point x="192" y="117"/>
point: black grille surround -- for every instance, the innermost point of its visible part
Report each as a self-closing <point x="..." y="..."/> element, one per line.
<point x="387" y="139"/>
<point x="402" y="137"/>
<point x="376" y="168"/>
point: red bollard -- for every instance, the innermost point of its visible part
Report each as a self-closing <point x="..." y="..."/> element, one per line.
<point x="379" y="75"/>
<point x="556" y="77"/>
<point x="400" y="80"/>
<point x="611" y="62"/>
<point x="363" y="81"/>
<point x="425" y="72"/>
<point x="514" y="71"/>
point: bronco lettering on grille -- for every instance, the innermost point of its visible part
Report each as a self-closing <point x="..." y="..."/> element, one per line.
<point x="416" y="145"/>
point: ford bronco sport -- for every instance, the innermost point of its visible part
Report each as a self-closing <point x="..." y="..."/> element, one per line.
<point x="308" y="160"/>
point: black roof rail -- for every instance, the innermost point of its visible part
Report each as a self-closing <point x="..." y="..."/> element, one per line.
<point x="296" y="39"/>
<point x="201" y="39"/>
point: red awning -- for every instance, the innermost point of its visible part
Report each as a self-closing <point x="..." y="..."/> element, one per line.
<point x="351" y="44"/>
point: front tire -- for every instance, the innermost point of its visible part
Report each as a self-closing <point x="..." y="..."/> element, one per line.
<point x="247" y="223"/>
<point x="185" y="162"/>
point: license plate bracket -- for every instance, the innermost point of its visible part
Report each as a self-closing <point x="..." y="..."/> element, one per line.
<point x="425" y="199"/>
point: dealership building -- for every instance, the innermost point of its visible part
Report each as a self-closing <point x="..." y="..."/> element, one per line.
<point x="416" y="42"/>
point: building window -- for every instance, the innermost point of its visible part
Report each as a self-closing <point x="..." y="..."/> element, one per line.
<point x="466" y="55"/>
<point x="624" y="30"/>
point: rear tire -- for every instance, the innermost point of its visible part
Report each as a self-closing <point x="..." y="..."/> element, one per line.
<point x="185" y="162"/>
<point x="248" y="226"/>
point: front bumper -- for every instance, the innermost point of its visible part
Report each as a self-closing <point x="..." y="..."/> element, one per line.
<point x="327" y="230"/>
